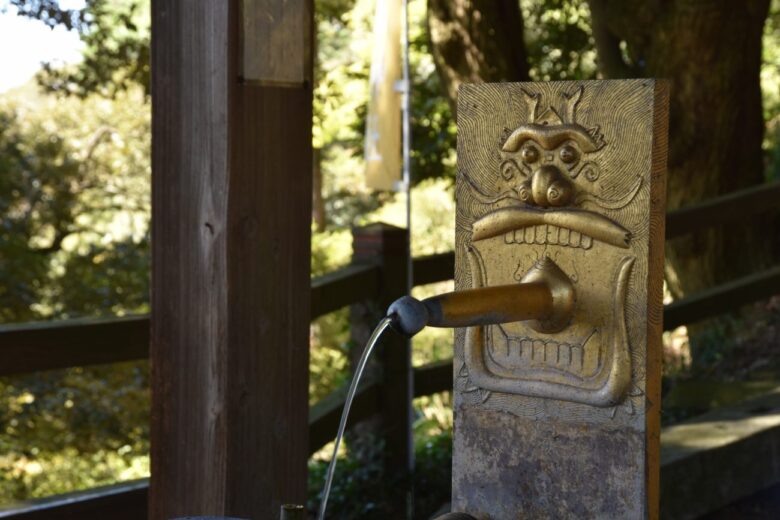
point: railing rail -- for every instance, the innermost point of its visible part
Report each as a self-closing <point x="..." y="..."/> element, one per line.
<point x="51" y="345"/>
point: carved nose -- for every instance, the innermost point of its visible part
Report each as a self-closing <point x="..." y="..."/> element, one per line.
<point x="548" y="187"/>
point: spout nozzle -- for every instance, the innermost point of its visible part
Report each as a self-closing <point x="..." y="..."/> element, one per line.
<point x="410" y="315"/>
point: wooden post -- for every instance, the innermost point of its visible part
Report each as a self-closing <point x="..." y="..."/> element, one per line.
<point x="231" y="159"/>
<point x="388" y="246"/>
<point x="561" y="419"/>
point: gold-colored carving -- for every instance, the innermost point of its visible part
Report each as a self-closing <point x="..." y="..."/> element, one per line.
<point x="548" y="167"/>
<point x="569" y="175"/>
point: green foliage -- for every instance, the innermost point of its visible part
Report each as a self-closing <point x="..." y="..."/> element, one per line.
<point x="116" y="34"/>
<point x="361" y="490"/>
<point x="74" y="203"/>
<point x="770" y="89"/>
<point x="558" y="40"/>
<point x="73" y="429"/>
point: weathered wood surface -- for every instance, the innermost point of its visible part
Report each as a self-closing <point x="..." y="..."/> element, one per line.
<point x="230" y="282"/>
<point x="29" y="347"/>
<point x="573" y="174"/>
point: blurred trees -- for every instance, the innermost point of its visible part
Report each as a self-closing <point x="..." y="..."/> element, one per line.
<point x="711" y="52"/>
<point x="74" y="242"/>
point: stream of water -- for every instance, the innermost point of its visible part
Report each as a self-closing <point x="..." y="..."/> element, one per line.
<point x="372" y="341"/>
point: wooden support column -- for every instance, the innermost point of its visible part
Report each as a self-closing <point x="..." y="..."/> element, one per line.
<point x="388" y="246"/>
<point x="231" y="157"/>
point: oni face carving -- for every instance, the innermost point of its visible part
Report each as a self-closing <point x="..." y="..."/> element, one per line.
<point x="540" y="224"/>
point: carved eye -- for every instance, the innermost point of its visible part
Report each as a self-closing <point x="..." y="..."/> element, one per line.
<point x="569" y="154"/>
<point x="530" y="154"/>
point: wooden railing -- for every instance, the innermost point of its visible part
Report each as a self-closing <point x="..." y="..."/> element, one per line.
<point x="44" y="346"/>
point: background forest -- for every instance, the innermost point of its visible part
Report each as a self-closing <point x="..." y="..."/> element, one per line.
<point x="75" y="197"/>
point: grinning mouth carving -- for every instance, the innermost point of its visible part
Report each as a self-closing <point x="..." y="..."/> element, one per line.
<point x="576" y="362"/>
<point x="594" y="371"/>
<point x="549" y="235"/>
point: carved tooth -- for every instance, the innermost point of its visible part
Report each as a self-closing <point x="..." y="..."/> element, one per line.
<point x="564" y="355"/>
<point x="552" y="234"/>
<point x="591" y="355"/>
<point x="509" y="238"/>
<point x="541" y="233"/>
<point x="551" y="353"/>
<point x="514" y="349"/>
<point x="574" y="239"/>
<point x="529" y="235"/>
<point x="563" y="236"/>
<point x="526" y="351"/>
<point x="586" y="242"/>
<point x="576" y="358"/>
<point x="519" y="236"/>
<point x="538" y="350"/>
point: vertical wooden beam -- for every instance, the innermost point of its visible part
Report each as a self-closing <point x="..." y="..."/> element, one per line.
<point x="389" y="245"/>
<point x="230" y="301"/>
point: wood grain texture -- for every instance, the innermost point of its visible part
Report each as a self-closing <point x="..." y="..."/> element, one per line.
<point x="230" y="281"/>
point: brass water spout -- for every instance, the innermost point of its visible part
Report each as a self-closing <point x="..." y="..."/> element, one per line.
<point x="545" y="297"/>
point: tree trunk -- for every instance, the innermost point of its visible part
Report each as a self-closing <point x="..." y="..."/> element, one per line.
<point x="475" y="41"/>
<point x="711" y="52"/>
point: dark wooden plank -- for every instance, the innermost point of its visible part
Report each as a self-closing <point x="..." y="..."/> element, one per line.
<point x="231" y="167"/>
<point x="354" y="283"/>
<point x="324" y="416"/>
<point x="388" y="246"/>
<point x="125" y="501"/>
<point x="433" y="268"/>
<point x="28" y="347"/>
<point x="723" y="298"/>
<point x="433" y="378"/>
<point x="727" y="208"/>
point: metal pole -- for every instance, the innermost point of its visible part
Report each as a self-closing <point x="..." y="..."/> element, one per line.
<point x="407" y="177"/>
<point x="407" y="134"/>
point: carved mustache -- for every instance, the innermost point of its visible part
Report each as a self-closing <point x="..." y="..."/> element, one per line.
<point x="504" y="220"/>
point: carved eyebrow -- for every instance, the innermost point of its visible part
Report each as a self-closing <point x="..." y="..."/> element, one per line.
<point x="551" y="137"/>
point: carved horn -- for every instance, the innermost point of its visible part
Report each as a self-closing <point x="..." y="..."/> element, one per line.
<point x="570" y="107"/>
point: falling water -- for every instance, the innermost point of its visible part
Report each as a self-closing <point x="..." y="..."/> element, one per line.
<point x="372" y="341"/>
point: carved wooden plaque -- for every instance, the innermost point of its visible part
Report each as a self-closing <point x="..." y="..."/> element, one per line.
<point x="561" y="420"/>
